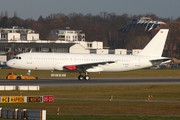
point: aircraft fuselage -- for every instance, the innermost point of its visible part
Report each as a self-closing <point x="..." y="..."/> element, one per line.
<point x="56" y="61"/>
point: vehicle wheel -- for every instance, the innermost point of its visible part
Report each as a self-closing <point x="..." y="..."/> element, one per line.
<point x="36" y="78"/>
<point x="80" y="77"/>
<point x="18" y="78"/>
<point x="87" y="78"/>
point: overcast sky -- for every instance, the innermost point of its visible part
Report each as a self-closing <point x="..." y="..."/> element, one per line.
<point x="34" y="8"/>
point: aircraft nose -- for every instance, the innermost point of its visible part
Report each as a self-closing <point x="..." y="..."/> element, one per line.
<point x="9" y="63"/>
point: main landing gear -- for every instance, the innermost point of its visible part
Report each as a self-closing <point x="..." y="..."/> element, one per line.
<point x="86" y="77"/>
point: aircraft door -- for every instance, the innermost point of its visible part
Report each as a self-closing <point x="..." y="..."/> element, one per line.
<point x="29" y="59"/>
<point x="137" y="61"/>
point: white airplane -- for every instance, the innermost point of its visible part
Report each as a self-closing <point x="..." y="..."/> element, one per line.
<point x="86" y="63"/>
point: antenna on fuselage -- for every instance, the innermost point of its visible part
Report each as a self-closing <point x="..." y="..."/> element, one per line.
<point x="31" y="50"/>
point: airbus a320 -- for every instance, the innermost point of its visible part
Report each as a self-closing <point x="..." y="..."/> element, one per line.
<point x="86" y="63"/>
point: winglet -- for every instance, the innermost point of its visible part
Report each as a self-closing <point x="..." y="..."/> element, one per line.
<point x="156" y="45"/>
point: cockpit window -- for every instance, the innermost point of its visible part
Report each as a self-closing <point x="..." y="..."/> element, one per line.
<point x="15" y="57"/>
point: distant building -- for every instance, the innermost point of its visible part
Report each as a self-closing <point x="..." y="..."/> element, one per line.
<point x="136" y="51"/>
<point x="18" y="34"/>
<point x="121" y="51"/>
<point x="16" y="40"/>
<point x="145" y="23"/>
<point x="67" y="35"/>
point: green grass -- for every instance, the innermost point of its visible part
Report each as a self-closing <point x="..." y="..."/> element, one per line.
<point x="130" y="92"/>
<point x="81" y="102"/>
<point x="136" y="73"/>
<point x="92" y="102"/>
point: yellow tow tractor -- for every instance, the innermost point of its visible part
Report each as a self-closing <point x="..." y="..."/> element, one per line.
<point x="13" y="76"/>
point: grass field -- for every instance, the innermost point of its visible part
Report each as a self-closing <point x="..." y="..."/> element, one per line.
<point x="136" y="73"/>
<point x="92" y="102"/>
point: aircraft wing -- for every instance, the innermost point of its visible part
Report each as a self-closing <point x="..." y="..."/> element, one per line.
<point x="85" y="66"/>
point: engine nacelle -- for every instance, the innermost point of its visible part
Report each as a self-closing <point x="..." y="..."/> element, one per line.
<point x="58" y="67"/>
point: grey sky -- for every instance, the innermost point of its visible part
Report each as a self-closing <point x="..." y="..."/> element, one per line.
<point x="34" y="8"/>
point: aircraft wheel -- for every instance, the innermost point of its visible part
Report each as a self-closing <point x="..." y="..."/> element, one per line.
<point x="86" y="77"/>
<point x="18" y="78"/>
<point x="80" y="77"/>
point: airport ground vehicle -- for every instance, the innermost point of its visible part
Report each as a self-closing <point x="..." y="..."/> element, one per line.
<point x="13" y="76"/>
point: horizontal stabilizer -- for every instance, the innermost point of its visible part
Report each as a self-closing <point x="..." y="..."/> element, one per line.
<point x="158" y="61"/>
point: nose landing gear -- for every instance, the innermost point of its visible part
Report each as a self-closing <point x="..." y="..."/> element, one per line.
<point x="29" y="72"/>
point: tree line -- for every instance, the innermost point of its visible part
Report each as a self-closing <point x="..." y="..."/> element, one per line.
<point x="102" y="27"/>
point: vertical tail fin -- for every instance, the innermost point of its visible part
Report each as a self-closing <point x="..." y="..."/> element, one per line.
<point x="156" y="45"/>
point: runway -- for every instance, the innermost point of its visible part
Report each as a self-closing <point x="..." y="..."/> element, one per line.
<point x="93" y="81"/>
